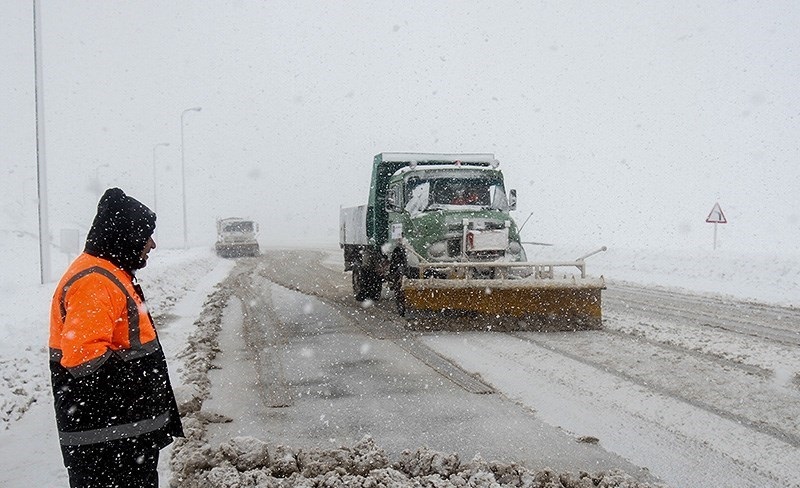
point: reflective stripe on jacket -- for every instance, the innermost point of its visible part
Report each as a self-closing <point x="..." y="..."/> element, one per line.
<point x="96" y="311"/>
<point x="108" y="372"/>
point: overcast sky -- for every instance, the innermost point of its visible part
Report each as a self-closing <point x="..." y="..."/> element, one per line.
<point x="619" y="123"/>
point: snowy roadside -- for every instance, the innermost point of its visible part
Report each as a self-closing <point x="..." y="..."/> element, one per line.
<point x="176" y="282"/>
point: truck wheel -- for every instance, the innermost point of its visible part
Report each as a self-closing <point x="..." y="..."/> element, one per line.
<point x="398" y="271"/>
<point x="374" y="284"/>
<point x="359" y="292"/>
<point x="366" y="284"/>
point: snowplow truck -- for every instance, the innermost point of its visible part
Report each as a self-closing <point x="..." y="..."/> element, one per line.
<point x="437" y="228"/>
<point x="236" y="237"/>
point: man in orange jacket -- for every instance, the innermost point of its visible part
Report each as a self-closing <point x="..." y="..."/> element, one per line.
<point x="115" y="408"/>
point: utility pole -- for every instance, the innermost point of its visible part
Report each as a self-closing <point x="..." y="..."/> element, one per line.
<point x="41" y="171"/>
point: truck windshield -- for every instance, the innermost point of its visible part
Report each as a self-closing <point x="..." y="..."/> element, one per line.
<point x="438" y="193"/>
<point x="239" y="227"/>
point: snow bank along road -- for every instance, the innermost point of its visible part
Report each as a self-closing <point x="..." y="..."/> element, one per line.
<point x="695" y="390"/>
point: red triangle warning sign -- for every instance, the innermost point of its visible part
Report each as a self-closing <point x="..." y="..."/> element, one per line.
<point x="716" y="216"/>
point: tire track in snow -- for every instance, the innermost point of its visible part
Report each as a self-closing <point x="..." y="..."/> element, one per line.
<point x="680" y="443"/>
<point x="780" y="324"/>
<point x="684" y="393"/>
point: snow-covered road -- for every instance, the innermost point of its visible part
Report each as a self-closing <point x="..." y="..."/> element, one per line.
<point x="696" y="388"/>
<point x="327" y="381"/>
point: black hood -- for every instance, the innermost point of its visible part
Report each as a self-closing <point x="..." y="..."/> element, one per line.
<point x="120" y="230"/>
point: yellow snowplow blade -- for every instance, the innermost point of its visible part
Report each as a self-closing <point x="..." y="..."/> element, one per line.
<point x="562" y="304"/>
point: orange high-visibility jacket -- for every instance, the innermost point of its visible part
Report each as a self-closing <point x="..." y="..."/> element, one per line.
<point x="95" y="312"/>
<point x="107" y="369"/>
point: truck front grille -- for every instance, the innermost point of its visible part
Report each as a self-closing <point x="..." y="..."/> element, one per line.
<point x="454" y="251"/>
<point x="454" y="247"/>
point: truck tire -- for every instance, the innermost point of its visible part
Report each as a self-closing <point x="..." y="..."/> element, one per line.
<point x="366" y="284"/>
<point x="376" y="286"/>
<point x="399" y="269"/>
<point x="358" y="288"/>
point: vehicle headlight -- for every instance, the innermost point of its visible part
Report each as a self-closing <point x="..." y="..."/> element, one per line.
<point x="437" y="249"/>
<point x="514" y="248"/>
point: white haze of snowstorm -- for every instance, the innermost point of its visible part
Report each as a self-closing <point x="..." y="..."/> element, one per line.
<point x="618" y="125"/>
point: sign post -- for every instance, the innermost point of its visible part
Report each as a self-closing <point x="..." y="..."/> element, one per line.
<point x="716" y="217"/>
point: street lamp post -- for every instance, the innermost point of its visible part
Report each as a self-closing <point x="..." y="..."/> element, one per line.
<point x="183" y="173"/>
<point x="155" y="181"/>
<point x="41" y="166"/>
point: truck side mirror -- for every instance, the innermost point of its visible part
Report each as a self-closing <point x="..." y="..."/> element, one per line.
<point x="512" y="199"/>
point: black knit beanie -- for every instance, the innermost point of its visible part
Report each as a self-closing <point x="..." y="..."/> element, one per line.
<point x="120" y="230"/>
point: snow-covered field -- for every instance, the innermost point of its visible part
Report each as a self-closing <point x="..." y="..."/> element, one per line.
<point x="761" y="275"/>
<point x="177" y="283"/>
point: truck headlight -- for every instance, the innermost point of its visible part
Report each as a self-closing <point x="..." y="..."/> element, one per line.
<point x="514" y="248"/>
<point x="437" y="249"/>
